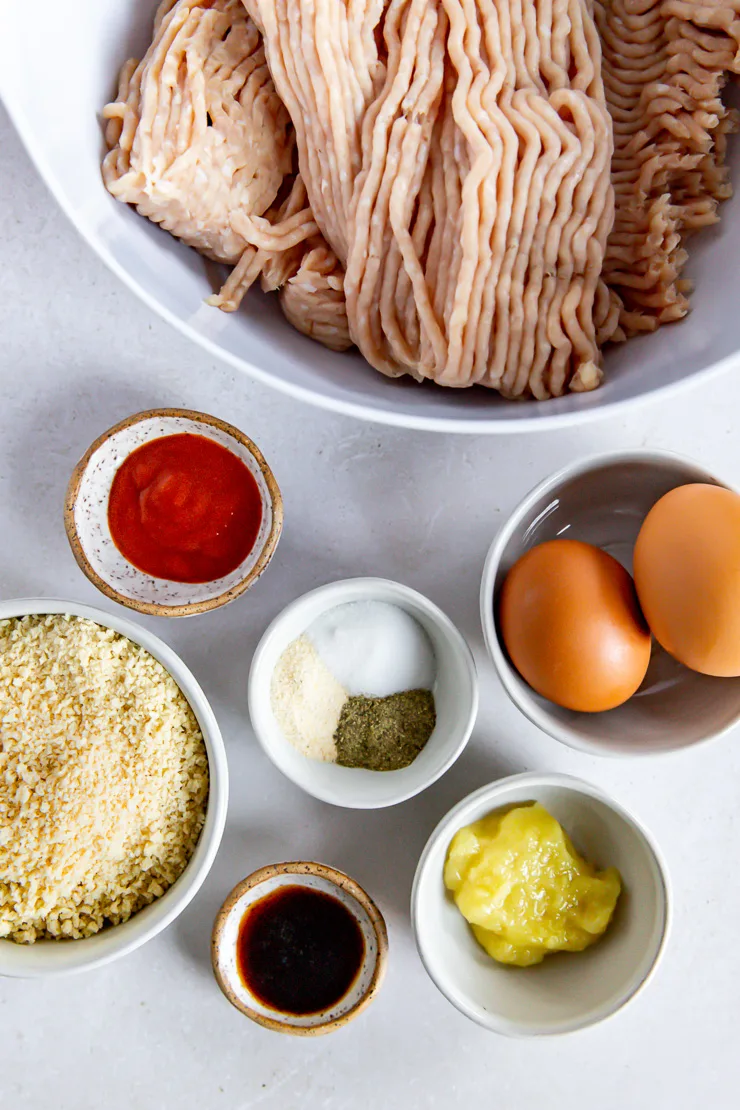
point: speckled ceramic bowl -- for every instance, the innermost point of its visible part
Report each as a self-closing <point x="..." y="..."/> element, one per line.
<point x="317" y="876"/>
<point x="86" y="516"/>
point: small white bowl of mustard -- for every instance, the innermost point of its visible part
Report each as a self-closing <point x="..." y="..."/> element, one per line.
<point x="569" y="990"/>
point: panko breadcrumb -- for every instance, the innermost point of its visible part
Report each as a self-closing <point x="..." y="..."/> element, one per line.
<point x="103" y="778"/>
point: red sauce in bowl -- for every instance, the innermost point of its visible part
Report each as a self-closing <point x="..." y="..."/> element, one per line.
<point x="183" y="507"/>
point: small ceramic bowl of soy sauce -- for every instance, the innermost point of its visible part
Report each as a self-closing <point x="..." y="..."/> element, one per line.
<point x="299" y="948"/>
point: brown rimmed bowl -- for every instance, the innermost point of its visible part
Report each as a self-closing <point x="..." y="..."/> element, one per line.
<point x="86" y="516"/>
<point x="316" y="876"/>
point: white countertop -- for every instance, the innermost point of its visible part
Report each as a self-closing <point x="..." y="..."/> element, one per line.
<point x="152" y="1032"/>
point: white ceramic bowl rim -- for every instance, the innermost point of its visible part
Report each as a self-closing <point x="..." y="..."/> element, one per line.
<point x="452" y="820"/>
<point x="46" y="958"/>
<point x="574" y="410"/>
<point x="490" y="569"/>
<point x="369" y="586"/>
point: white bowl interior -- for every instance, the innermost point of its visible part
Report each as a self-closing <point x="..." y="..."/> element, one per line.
<point x="51" y="957"/>
<point x="226" y="959"/>
<point x="91" y="514"/>
<point x="570" y="990"/>
<point x="455" y="695"/>
<point x="55" y="84"/>
<point x="604" y="502"/>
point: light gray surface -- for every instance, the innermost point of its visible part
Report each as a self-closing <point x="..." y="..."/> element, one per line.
<point x="153" y="1032"/>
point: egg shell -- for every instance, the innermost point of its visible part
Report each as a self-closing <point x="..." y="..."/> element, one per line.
<point x="570" y="620"/>
<point x="687" y="575"/>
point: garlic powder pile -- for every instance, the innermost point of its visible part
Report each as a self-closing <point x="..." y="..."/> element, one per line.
<point x="307" y="700"/>
<point x="103" y="778"/>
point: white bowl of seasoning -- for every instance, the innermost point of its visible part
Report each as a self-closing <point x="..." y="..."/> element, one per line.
<point x="46" y="958"/>
<point x="88" y="523"/>
<point x="570" y="990"/>
<point x="299" y="948"/>
<point x="454" y="690"/>
<point x="603" y="500"/>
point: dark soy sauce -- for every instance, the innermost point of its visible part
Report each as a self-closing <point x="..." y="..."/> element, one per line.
<point x="299" y="950"/>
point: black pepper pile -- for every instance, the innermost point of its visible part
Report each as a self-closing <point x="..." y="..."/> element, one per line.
<point x="384" y="734"/>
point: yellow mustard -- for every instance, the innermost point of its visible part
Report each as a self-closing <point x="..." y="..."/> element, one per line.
<point x="525" y="890"/>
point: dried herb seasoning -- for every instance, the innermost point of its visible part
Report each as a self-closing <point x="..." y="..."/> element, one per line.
<point x="384" y="734"/>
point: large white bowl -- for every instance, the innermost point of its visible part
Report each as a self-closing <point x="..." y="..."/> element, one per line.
<point x="59" y="66"/>
<point x="570" y="990"/>
<point x="59" y="957"/>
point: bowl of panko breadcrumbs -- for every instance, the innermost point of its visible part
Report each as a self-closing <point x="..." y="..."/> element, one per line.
<point x="113" y="787"/>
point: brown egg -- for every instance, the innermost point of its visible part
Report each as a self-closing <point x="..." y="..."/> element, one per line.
<point x="571" y="623"/>
<point x="687" y="574"/>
